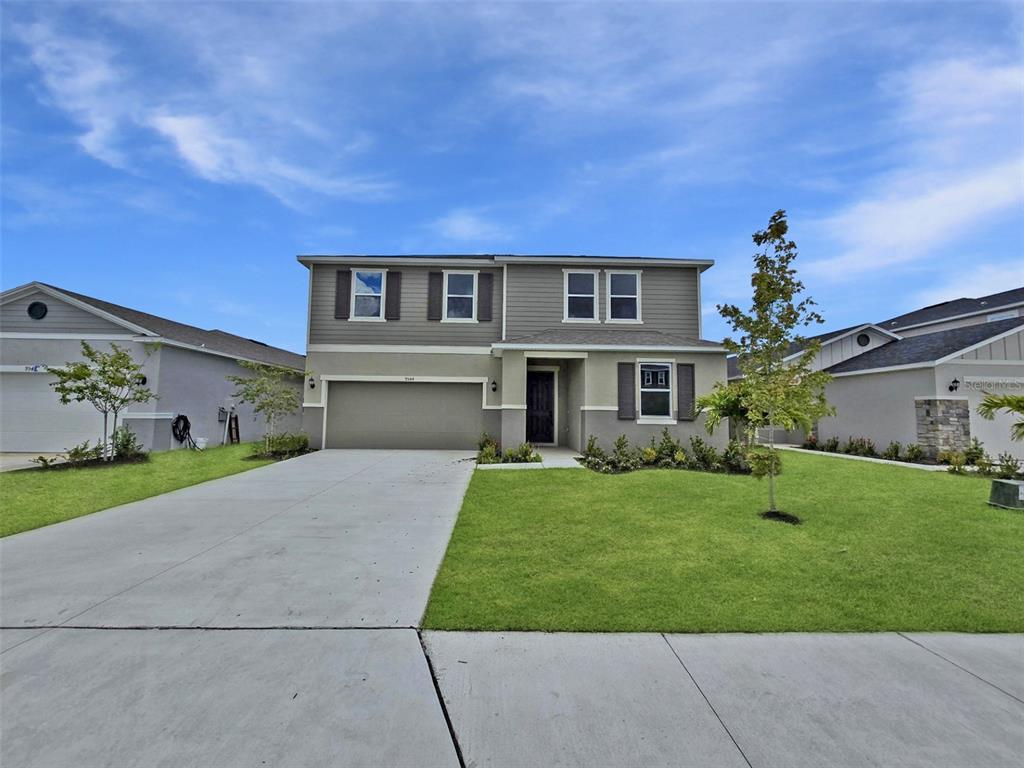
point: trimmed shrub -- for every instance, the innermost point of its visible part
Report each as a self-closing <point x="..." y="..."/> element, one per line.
<point x="914" y="453"/>
<point x="82" y="454"/>
<point x="669" y="446"/>
<point x="283" y="446"/>
<point x="955" y="460"/>
<point x="624" y="458"/>
<point x="974" y="451"/>
<point x="859" y="446"/>
<point x="703" y="456"/>
<point x="649" y="455"/>
<point x="523" y="453"/>
<point x="734" y="459"/>
<point x="488" y="453"/>
<point x="127" y="446"/>
<point x="892" y="451"/>
<point x="811" y="442"/>
<point x="485" y="441"/>
<point x="1008" y="467"/>
<point x="831" y="445"/>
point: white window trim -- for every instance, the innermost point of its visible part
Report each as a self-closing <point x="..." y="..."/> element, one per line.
<point x="444" y="296"/>
<point x="565" y="295"/>
<point x="670" y="419"/>
<point x="608" y="297"/>
<point x="383" y="296"/>
<point x="554" y="370"/>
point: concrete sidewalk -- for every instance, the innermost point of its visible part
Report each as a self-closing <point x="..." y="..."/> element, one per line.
<point x="935" y="701"/>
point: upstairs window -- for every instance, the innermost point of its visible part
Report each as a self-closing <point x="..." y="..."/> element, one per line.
<point x="656" y="390"/>
<point x="460" y="297"/>
<point x="367" y="295"/>
<point x="580" y="296"/>
<point x="624" y="297"/>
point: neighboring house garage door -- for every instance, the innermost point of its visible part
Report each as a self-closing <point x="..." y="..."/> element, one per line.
<point x="403" y="415"/>
<point x="33" y="419"/>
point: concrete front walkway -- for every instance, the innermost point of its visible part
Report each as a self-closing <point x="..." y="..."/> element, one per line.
<point x="270" y="618"/>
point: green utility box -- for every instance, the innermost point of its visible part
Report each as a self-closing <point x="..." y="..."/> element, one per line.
<point x="1008" y="494"/>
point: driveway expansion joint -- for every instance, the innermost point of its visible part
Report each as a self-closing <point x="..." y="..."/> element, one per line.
<point x="707" y="700"/>
<point x="440" y="701"/>
<point x="962" y="668"/>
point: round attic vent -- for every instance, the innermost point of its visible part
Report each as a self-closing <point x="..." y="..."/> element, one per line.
<point x="863" y="340"/>
<point x="37" y="310"/>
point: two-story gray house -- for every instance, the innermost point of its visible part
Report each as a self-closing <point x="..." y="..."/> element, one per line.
<point x="433" y="351"/>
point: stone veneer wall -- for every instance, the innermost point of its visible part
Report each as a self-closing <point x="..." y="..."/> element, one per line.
<point x="943" y="425"/>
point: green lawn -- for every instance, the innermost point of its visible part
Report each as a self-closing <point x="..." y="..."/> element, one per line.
<point x="33" y="498"/>
<point x="881" y="548"/>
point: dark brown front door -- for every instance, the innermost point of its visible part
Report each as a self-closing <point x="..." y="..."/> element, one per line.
<point x="540" y="406"/>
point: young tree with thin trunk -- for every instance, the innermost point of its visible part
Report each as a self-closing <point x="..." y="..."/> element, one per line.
<point x="776" y="392"/>
<point x="270" y="391"/>
<point x="109" y="381"/>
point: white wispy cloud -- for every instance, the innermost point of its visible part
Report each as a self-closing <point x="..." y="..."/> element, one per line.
<point x="979" y="280"/>
<point x="466" y="225"/>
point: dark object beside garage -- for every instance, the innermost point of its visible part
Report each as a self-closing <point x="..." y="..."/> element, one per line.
<point x="1008" y="494"/>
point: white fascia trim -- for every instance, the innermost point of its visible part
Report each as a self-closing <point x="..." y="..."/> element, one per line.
<point x="88" y="308"/>
<point x="851" y="332"/>
<point x="309" y="306"/>
<point x="565" y="355"/>
<point x="405" y="349"/>
<point x="627" y="261"/>
<point x="76" y="336"/>
<point x="1015" y="363"/>
<point x="599" y="407"/>
<point x="481" y="380"/>
<point x="964" y="316"/>
<point x="208" y="351"/>
<point x="397" y="260"/>
<point x="886" y="369"/>
<point x="639" y="293"/>
<point x="150" y="416"/>
<point x="984" y="343"/>
<point x="606" y="348"/>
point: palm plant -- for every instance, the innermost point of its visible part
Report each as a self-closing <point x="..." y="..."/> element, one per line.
<point x="992" y="404"/>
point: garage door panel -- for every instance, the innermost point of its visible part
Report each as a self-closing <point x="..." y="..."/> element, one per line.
<point x="404" y="415"/>
<point x="32" y="418"/>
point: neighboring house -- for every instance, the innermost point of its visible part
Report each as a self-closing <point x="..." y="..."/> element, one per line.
<point x="919" y="378"/>
<point x="42" y="325"/>
<point x="433" y="351"/>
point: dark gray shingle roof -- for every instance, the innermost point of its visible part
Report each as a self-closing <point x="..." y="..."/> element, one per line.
<point x="926" y="348"/>
<point x="611" y="337"/>
<point x="962" y="306"/>
<point x="214" y="340"/>
<point x="733" y="362"/>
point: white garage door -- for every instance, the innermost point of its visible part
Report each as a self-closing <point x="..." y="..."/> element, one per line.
<point x="404" y="415"/>
<point x="32" y="418"/>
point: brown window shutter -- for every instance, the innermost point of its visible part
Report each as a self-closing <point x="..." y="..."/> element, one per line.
<point x="435" y="295"/>
<point x="627" y="391"/>
<point x="342" y="294"/>
<point x="393" y="297"/>
<point x="485" y="301"/>
<point x="684" y="382"/>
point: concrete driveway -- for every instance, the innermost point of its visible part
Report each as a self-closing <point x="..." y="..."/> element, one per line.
<point x="292" y="572"/>
<point x="270" y="619"/>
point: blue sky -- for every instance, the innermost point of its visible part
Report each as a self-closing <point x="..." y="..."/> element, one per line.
<point x="175" y="158"/>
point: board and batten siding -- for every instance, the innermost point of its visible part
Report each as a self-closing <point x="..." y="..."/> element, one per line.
<point x="1007" y="348"/>
<point x="536" y="299"/>
<point x="834" y="352"/>
<point x="412" y="327"/>
<point x="61" y="317"/>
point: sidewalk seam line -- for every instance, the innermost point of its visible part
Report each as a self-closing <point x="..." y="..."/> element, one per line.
<point x="440" y="700"/>
<point x="707" y="700"/>
<point x="958" y="666"/>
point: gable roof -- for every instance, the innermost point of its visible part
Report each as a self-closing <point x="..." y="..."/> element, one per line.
<point x="927" y="348"/>
<point x="609" y="337"/>
<point x="733" y="362"/>
<point x="213" y="341"/>
<point x="948" y="310"/>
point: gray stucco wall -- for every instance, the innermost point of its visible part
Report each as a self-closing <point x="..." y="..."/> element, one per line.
<point x="977" y="378"/>
<point x="879" y="406"/>
<point x="536" y="295"/>
<point x="412" y="328"/>
<point x="194" y="383"/>
<point x="60" y="318"/>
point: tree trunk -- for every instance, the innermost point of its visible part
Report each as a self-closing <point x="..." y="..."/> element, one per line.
<point x="103" y="442"/>
<point x="771" y="465"/>
<point x="113" y="433"/>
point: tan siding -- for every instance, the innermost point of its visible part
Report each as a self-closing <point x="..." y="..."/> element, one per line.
<point x="60" y="318"/>
<point x="413" y="328"/>
<point x="536" y="300"/>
